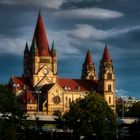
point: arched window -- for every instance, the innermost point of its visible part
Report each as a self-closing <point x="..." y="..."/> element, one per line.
<point x="109" y="87"/>
<point x="109" y="76"/>
<point x="109" y="100"/>
<point x="30" y="100"/>
<point x="69" y="100"/>
<point x="66" y="98"/>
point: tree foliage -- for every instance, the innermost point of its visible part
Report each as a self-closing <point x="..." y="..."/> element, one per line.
<point x="134" y="111"/>
<point x="12" y="116"/>
<point x="121" y="110"/>
<point x="92" y="115"/>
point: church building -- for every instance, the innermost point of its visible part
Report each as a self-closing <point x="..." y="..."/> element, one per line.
<point x="40" y="89"/>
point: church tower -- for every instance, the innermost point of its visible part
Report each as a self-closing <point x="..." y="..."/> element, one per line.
<point x="40" y="64"/>
<point x="107" y="79"/>
<point x="26" y="60"/>
<point x="88" y="70"/>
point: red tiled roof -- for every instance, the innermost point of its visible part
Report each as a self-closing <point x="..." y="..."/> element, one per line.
<point x="106" y="55"/>
<point x="21" y="82"/>
<point x="41" y="39"/>
<point x="78" y="84"/>
<point x="27" y="98"/>
<point x="88" y="59"/>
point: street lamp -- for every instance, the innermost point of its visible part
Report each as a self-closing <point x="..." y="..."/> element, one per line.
<point x="38" y="92"/>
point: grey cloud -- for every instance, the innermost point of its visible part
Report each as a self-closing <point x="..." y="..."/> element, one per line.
<point x="88" y="13"/>
<point x="51" y="4"/>
<point x="9" y="45"/>
<point x="68" y="4"/>
<point x="89" y="32"/>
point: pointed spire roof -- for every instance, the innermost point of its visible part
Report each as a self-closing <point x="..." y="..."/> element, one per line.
<point x="106" y="55"/>
<point x="34" y="44"/>
<point x="88" y="59"/>
<point x="53" y="45"/>
<point x="40" y="37"/>
<point x="26" y="47"/>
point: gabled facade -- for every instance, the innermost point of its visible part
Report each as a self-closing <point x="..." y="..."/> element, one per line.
<point x="41" y="90"/>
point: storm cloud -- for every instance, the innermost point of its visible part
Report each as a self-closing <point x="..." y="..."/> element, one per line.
<point x="75" y="26"/>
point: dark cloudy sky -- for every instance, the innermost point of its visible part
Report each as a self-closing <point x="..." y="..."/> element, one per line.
<point x="75" y="26"/>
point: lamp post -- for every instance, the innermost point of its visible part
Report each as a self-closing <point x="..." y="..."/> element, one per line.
<point x="38" y="92"/>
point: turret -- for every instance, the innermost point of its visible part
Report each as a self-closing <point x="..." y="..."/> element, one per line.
<point x="107" y="79"/>
<point x="54" y="59"/>
<point x="88" y="70"/>
<point x="26" y="59"/>
<point x="53" y="50"/>
<point x="26" y="50"/>
<point x="34" y="49"/>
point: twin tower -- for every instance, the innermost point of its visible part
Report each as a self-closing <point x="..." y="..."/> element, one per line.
<point x="40" y="69"/>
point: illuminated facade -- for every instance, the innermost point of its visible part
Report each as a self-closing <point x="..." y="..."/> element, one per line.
<point x="40" y="88"/>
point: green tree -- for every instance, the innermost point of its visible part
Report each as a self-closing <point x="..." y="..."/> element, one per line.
<point x="121" y="110"/>
<point x="91" y="115"/>
<point x="12" y="116"/>
<point x="134" y="111"/>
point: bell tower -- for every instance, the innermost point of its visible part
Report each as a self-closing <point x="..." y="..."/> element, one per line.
<point x="107" y="79"/>
<point x="88" y="70"/>
<point x="42" y="63"/>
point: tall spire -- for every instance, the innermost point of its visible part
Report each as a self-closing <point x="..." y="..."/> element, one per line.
<point x="106" y="55"/>
<point x="34" y="44"/>
<point x="53" y="45"/>
<point x="53" y="50"/>
<point x="26" y="47"/>
<point x="26" y="51"/>
<point x="88" y="59"/>
<point x="41" y="39"/>
<point x="88" y="70"/>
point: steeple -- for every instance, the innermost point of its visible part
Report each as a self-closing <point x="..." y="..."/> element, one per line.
<point x="35" y="49"/>
<point x="88" y="70"/>
<point x="106" y="81"/>
<point x="34" y="44"/>
<point x="106" y="55"/>
<point x="52" y="46"/>
<point x="26" y="47"/>
<point x="54" y="59"/>
<point x="40" y="37"/>
<point x="53" y="50"/>
<point x="26" y="50"/>
<point x="88" y="59"/>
